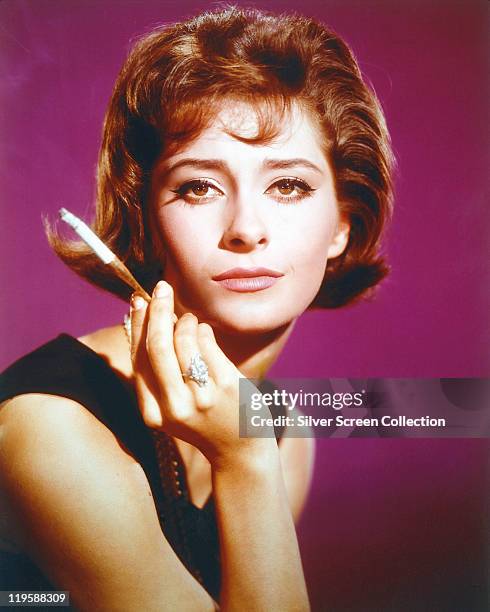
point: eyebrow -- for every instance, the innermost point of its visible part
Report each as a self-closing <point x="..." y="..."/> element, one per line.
<point x="201" y="164"/>
<point x="218" y="164"/>
<point x="284" y="164"/>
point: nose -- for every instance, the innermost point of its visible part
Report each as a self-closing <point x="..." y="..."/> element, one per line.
<point x="246" y="230"/>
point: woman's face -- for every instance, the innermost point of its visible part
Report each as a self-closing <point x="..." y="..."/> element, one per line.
<point x="246" y="229"/>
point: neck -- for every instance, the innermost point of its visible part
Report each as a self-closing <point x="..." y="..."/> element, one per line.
<point x="253" y="355"/>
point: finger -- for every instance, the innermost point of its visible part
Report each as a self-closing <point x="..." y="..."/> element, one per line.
<point x="221" y="369"/>
<point x="160" y="344"/>
<point x="138" y="327"/>
<point x="187" y="349"/>
<point x="145" y="384"/>
<point x="138" y="324"/>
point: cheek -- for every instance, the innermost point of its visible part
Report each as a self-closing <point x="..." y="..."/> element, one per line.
<point x="310" y="241"/>
<point x="183" y="236"/>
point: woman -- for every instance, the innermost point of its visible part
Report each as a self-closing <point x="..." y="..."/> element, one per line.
<point x="244" y="176"/>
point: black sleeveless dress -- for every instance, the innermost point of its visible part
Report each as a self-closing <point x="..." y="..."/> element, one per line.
<point x="68" y="368"/>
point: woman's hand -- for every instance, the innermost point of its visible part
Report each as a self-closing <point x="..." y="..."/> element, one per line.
<point x="205" y="416"/>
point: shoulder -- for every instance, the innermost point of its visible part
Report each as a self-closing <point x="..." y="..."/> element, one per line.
<point x="111" y="344"/>
<point x="35" y="420"/>
<point x="50" y="449"/>
<point x="62" y="355"/>
<point x="79" y="505"/>
<point x="41" y="432"/>
<point x="89" y="371"/>
<point x="45" y="420"/>
<point x="41" y="418"/>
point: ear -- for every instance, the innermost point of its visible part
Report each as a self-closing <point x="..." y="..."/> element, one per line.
<point x="340" y="239"/>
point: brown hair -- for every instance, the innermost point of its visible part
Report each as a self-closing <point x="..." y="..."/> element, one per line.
<point x="269" y="61"/>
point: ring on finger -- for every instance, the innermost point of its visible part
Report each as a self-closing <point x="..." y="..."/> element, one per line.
<point x="197" y="370"/>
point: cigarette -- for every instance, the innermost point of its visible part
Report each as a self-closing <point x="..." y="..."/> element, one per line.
<point x="102" y="251"/>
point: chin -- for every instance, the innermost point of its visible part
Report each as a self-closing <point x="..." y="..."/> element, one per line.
<point x="248" y="321"/>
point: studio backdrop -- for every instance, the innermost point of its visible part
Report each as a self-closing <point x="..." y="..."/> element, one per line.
<point x="392" y="523"/>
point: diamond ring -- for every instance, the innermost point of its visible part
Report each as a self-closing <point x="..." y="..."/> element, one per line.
<point x="197" y="371"/>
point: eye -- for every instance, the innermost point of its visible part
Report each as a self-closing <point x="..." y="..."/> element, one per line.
<point x="198" y="190"/>
<point x="290" y="190"/>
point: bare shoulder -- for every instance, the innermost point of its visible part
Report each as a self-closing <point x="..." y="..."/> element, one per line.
<point x="99" y="338"/>
<point x="50" y="448"/>
<point x="35" y="421"/>
<point x="44" y="435"/>
<point x="82" y="506"/>
<point x="47" y="433"/>
<point x="47" y="430"/>
<point x="297" y="459"/>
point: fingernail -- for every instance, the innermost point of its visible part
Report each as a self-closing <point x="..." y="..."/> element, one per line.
<point x="137" y="301"/>
<point x="162" y="289"/>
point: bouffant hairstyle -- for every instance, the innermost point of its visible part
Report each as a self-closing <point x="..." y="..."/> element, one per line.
<point x="171" y="87"/>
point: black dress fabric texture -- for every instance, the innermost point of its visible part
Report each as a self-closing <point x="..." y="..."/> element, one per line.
<point x="68" y="368"/>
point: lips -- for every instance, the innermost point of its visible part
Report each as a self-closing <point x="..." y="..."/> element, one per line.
<point x="247" y="273"/>
<point x="248" y="279"/>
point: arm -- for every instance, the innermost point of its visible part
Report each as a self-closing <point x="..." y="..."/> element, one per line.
<point x="261" y="563"/>
<point x="255" y="498"/>
<point x="82" y="508"/>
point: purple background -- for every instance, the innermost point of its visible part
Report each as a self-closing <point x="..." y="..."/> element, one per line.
<point x="389" y="522"/>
